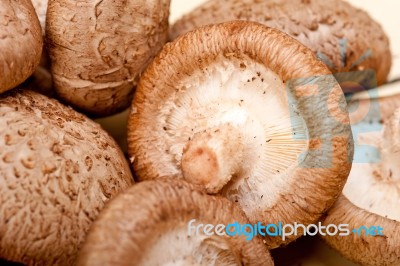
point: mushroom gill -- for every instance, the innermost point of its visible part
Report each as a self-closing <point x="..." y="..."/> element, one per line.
<point x="148" y="224"/>
<point x="370" y="201"/>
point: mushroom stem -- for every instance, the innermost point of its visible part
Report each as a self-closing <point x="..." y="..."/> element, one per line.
<point x="213" y="157"/>
<point x="390" y="148"/>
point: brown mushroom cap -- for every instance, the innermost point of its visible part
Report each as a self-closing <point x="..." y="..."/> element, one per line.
<point x="230" y="107"/>
<point x="20" y="42"/>
<point x="98" y="49"/>
<point x="344" y="37"/>
<point x="148" y="225"/>
<point x="57" y="169"/>
<point x="371" y="197"/>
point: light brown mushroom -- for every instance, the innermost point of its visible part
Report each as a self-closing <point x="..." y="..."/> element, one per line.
<point x="99" y="48"/>
<point x="247" y="112"/>
<point x="149" y="225"/>
<point x="370" y="204"/>
<point x="345" y="38"/>
<point x="20" y="42"/>
<point x="57" y="169"/>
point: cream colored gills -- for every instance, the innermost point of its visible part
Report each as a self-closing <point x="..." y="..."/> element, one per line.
<point x="376" y="187"/>
<point x="193" y="250"/>
<point x="238" y="110"/>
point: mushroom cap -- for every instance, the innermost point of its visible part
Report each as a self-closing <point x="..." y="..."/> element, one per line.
<point x="20" y="42"/>
<point x="371" y="197"/>
<point x="98" y="49"/>
<point x="57" y="170"/>
<point x="347" y="39"/>
<point x="148" y="225"/>
<point x="294" y="149"/>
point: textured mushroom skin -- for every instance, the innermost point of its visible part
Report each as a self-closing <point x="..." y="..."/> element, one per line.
<point x="345" y="38"/>
<point x="366" y="250"/>
<point x="99" y="48"/>
<point x="156" y="139"/>
<point x="136" y="221"/>
<point x="57" y="169"/>
<point x="20" y="42"/>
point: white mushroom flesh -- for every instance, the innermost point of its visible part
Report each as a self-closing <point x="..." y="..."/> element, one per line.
<point x="250" y="100"/>
<point x="375" y="186"/>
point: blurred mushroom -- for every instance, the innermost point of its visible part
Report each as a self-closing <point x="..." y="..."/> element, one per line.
<point x="148" y="225"/>
<point x="345" y="38"/>
<point x="20" y="42"/>
<point x="370" y="204"/>
<point x="57" y="169"/>
<point x="99" y="48"/>
<point x="249" y="113"/>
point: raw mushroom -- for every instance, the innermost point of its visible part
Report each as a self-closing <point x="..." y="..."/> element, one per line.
<point x="247" y="112"/>
<point x="371" y="198"/>
<point x="20" y="42"/>
<point x="99" y="48"/>
<point x="345" y="38"/>
<point x="57" y="169"/>
<point x="149" y="225"/>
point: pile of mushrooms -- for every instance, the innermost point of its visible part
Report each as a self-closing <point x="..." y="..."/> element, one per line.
<point x="234" y="114"/>
<point x="148" y="225"/>
<point x="241" y="118"/>
<point x="345" y="38"/>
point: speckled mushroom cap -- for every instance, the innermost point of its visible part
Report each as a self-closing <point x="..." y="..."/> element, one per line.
<point x="20" y="42"/>
<point x="148" y="225"/>
<point x="372" y="198"/>
<point x="57" y="169"/>
<point x="247" y="112"/>
<point x="98" y="49"/>
<point x="344" y="37"/>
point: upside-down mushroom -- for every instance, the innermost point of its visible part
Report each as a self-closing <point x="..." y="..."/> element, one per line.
<point x="41" y="80"/>
<point x="57" y="169"/>
<point x="149" y="224"/>
<point x="247" y="112"/>
<point x="345" y="38"/>
<point x="370" y="203"/>
<point x="99" y="48"/>
<point x="20" y="42"/>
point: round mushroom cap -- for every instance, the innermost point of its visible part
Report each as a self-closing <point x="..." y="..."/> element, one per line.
<point x="57" y="170"/>
<point x="371" y="199"/>
<point x="149" y="224"/>
<point x="98" y="49"/>
<point x="247" y="112"/>
<point x="20" y="42"/>
<point x="345" y="38"/>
